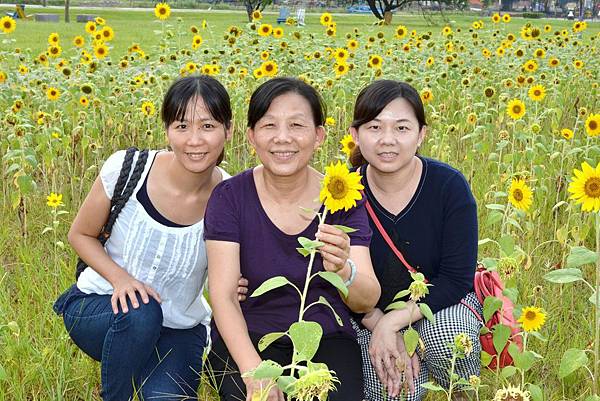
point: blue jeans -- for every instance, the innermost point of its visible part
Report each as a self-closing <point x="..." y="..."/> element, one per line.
<point x="137" y="354"/>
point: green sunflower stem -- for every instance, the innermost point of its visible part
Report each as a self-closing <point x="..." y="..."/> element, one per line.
<point x="597" y="288"/>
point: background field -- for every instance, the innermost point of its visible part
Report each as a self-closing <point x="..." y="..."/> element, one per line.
<point x="62" y="153"/>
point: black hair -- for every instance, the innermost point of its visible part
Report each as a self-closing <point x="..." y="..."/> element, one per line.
<point x="184" y="90"/>
<point x="212" y="92"/>
<point x="263" y="96"/>
<point x="373" y="98"/>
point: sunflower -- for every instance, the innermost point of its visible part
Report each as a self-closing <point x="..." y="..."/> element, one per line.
<point x="585" y="187"/>
<point x="592" y="125"/>
<point x="100" y="51"/>
<point x="553" y="62"/>
<point x="506" y="18"/>
<point x="340" y="189"/>
<point x="532" y="318"/>
<point x="567" y="133"/>
<point x="84" y="101"/>
<point x="264" y="55"/>
<point x="515" y="109"/>
<point x="90" y="27"/>
<point x="7" y="24"/>
<point x="78" y="41"/>
<point x="348" y="144"/>
<point x="330" y="31"/>
<point x="446" y="31"/>
<point x="530" y="66"/>
<point x="325" y="19"/>
<point x="401" y="31"/>
<point x="472" y="118"/>
<point x="340" y="54"/>
<point x="256" y="15"/>
<point x="2" y="77"/>
<point x="269" y="68"/>
<point x="520" y="195"/>
<point x="341" y="69"/>
<point x="258" y="73"/>
<point x="537" y="93"/>
<point x="539" y="53"/>
<point x="489" y="92"/>
<point x="162" y="11"/>
<point x="375" y="61"/>
<point x="265" y="30"/>
<point x="496" y="18"/>
<point x="53" y="38"/>
<point x="578" y="64"/>
<point x="196" y="41"/>
<point x="511" y="393"/>
<point x="148" y="108"/>
<point x="100" y="20"/>
<point x="426" y="96"/>
<point x="54" y="200"/>
<point x="352" y="44"/>
<point x="278" y="33"/>
<point x="107" y="33"/>
<point x="54" y="51"/>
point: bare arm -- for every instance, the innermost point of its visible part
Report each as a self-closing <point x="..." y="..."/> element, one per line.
<point x="83" y="236"/>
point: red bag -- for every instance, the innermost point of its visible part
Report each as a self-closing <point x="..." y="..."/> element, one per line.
<point x="486" y="283"/>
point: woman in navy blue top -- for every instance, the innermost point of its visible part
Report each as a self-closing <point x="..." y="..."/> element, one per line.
<point x="427" y="209"/>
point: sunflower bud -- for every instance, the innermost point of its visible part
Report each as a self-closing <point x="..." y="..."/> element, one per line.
<point x="463" y="344"/>
<point x="317" y="382"/>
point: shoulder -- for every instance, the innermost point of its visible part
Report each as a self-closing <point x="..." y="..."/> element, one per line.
<point x="231" y="183"/>
<point x="442" y="174"/>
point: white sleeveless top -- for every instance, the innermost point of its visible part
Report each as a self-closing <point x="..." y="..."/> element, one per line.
<point x="171" y="260"/>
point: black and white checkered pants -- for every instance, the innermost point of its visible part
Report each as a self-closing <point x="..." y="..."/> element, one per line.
<point x="435" y="360"/>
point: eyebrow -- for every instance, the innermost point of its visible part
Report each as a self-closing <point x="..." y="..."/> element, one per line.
<point x="187" y="120"/>
<point x="402" y="120"/>
<point x="295" y="115"/>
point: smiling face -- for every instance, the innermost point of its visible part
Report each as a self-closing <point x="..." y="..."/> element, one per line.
<point x="391" y="139"/>
<point x="198" y="139"/>
<point x="285" y="137"/>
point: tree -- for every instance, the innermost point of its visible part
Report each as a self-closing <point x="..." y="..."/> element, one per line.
<point x="382" y="9"/>
<point x="67" y="14"/>
<point x="253" y="5"/>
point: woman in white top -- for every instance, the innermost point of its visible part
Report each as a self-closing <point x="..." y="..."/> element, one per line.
<point x="139" y="308"/>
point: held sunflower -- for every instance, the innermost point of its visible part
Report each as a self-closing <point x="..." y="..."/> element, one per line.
<point x="341" y="188"/>
<point x="585" y="187"/>
<point x="532" y="318"/>
<point x="520" y="195"/>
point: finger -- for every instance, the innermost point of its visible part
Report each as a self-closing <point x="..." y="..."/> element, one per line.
<point x="141" y="289"/>
<point x="329" y="229"/>
<point x="123" y="301"/>
<point x="241" y="297"/>
<point x="338" y="238"/>
<point x="332" y="263"/>
<point x="335" y="251"/>
<point x="153" y="294"/>
<point x="113" y="304"/>
<point x="242" y="282"/>
<point x="378" y="365"/>
<point x="409" y="376"/>
<point x="133" y="297"/>
<point x="242" y="290"/>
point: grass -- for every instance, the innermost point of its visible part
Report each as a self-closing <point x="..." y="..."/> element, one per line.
<point x="38" y="360"/>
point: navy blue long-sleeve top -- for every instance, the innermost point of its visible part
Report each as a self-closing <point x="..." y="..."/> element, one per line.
<point x="437" y="234"/>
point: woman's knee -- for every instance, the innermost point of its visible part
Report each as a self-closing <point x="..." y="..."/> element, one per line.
<point x="145" y="320"/>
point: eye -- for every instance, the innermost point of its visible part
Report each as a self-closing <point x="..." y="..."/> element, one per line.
<point x="181" y="126"/>
<point x="373" y="127"/>
<point x="208" y="126"/>
<point x="402" y="128"/>
<point x="297" y="125"/>
<point x="268" y="125"/>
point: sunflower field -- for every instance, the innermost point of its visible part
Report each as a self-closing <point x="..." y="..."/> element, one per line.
<point x="512" y="103"/>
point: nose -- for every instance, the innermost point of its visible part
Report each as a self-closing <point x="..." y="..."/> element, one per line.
<point x="195" y="137"/>
<point x="387" y="136"/>
<point x="283" y="135"/>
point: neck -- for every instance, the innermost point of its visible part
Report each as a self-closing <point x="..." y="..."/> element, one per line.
<point x="287" y="189"/>
<point x="185" y="181"/>
<point x="395" y="181"/>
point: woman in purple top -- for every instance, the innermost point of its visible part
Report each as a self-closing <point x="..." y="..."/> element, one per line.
<point x="252" y="224"/>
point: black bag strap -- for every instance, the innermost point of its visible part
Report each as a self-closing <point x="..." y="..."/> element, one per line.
<point x="123" y="191"/>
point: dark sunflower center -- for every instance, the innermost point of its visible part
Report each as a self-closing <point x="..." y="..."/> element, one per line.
<point x="516" y="109"/>
<point x="351" y="145"/>
<point x="269" y="67"/>
<point x="162" y="11"/>
<point x="7" y="24"/>
<point x="593" y="125"/>
<point x="518" y="195"/>
<point x="537" y="92"/>
<point x="337" y="188"/>
<point x="592" y="187"/>
<point x="530" y="315"/>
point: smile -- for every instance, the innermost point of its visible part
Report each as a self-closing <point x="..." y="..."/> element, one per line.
<point x="283" y="155"/>
<point x="196" y="155"/>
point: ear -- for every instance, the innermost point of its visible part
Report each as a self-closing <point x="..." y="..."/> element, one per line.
<point x="354" y="132"/>
<point x="229" y="132"/>
<point x="422" y="134"/>
<point x="250" y="135"/>
<point x="321" y="134"/>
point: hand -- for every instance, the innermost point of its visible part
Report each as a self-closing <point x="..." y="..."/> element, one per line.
<point x="336" y="250"/>
<point x="383" y="350"/>
<point x="242" y="289"/>
<point x="127" y="286"/>
<point x="407" y="365"/>
<point x="255" y="387"/>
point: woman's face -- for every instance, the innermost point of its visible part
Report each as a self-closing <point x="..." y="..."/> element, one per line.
<point x="286" y="136"/>
<point x="390" y="140"/>
<point x="198" y="140"/>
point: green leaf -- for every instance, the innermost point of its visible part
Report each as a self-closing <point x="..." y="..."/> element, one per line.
<point x="411" y="340"/>
<point x="426" y="311"/>
<point x="593" y="398"/>
<point x="432" y="386"/>
<point x="592" y="299"/>
<point x="268" y="339"/>
<point x="306" y="337"/>
<point x="3" y="374"/>
<point x="345" y="229"/>
<point x="401" y="294"/>
<point x="580" y="256"/>
<point x="508" y="371"/>
<point x="396" y="305"/>
<point x="538" y="336"/>
<point x="303" y="252"/>
<point x="26" y="184"/>
<point x="536" y="392"/>
<point x="270" y="284"/>
<point x="494" y="217"/>
<point x="267" y="370"/>
<point x="523" y="360"/>
<point x="511" y="293"/>
<point x="485" y="241"/>
<point x="46" y="230"/>
<point x="490" y="306"/>
<point x="507" y="245"/>
<point x="308" y="244"/>
<point x="324" y="301"/>
<point x="286" y="383"/>
<point x="572" y="360"/>
<point x="563" y="276"/>
<point x="335" y="280"/>
<point x="495" y="206"/>
<point x="500" y="336"/>
<point x="486" y="359"/>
